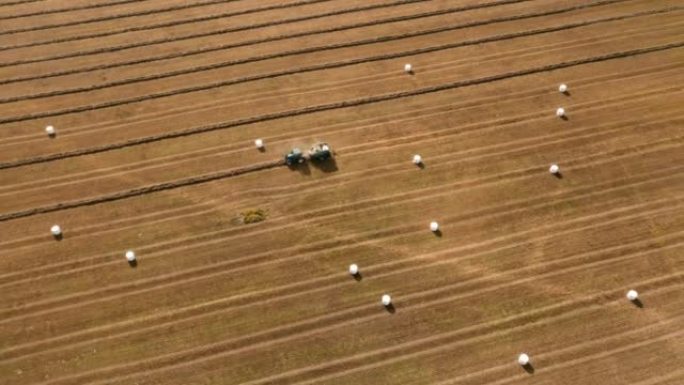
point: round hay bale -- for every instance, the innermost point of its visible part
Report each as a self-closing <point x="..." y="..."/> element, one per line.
<point x="632" y="295"/>
<point x="130" y="256"/>
<point x="56" y="230"/>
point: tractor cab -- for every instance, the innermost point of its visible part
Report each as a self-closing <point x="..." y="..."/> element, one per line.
<point x="294" y="157"/>
<point x="320" y="152"/>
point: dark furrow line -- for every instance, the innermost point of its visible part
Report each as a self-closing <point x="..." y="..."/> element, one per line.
<point x="119" y="16"/>
<point x="19" y="2"/>
<point x="236" y="45"/>
<point x="325" y="107"/>
<point x="141" y="190"/>
<point x="248" y="43"/>
<point x="333" y="321"/>
<point x="160" y="25"/>
<point x="248" y="299"/>
<point x="184" y="275"/>
<point x="317" y="67"/>
<point x="205" y="34"/>
<point x="78" y="8"/>
<point x="197" y="69"/>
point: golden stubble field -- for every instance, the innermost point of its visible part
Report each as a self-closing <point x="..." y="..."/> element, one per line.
<point x="156" y="106"/>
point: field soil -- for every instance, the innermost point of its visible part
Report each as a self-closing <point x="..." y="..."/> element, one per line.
<point x="157" y="103"/>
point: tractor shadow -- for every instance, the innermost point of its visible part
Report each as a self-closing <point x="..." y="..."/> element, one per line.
<point x="565" y="118"/>
<point x="302" y="168"/>
<point x="438" y="233"/>
<point x="358" y="277"/>
<point x="558" y="175"/>
<point x="528" y="368"/>
<point x="58" y="237"/>
<point x="421" y="165"/>
<point x="390" y="308"/>
<point x="327" y="166"/>
<point x="133" y="264"/>
<point x="637" y="302"/>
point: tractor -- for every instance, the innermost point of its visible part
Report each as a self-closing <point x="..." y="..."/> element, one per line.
<point x="320" y="152"/>
<point x="294" y="157"/>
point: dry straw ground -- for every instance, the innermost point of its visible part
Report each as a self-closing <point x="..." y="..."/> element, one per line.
<point x="157" y="103"/>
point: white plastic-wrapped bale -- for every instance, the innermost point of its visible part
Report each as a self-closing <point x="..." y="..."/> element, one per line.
<point x="386" y="300"/>
<point x="523" y="359"/>
<point x="560" y="112"/>
<point x="408" y="68"/>
<point x="554" y="169"/>
<point x="632" y="295"/>
<point x="259" y="143"/>
<point x="56" y="230"/>
<point x="563" y="88"/>
<point x="417" y="159"/>
<point x="130" y="256"/>
<point x="353" y="269"/>
<point x="50" y="130"/>
<point x="434" y="226"/>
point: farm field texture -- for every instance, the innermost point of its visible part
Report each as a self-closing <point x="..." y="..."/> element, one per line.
<point x="156" y="105"/>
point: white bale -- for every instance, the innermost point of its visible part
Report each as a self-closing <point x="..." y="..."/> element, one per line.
<point x="50" y="130"/>
<point x="417" y="159"/>
<point x="434" y="226"/>
<point x="632" y="295"/>
<point x="408" y="68"/>
<point x="554" y="169"/>
<point x="563" y="88"/>
<point x="259" y="143"/>
<point x="560" y="112"/>
<point x="130" y="256"/>
<point x="56" y="230"/>
<point x="386" y="300"/>
<point x="523" y="359"/>
<point x="353" y="269"/>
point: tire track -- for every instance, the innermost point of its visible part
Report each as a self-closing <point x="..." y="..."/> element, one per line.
<point x="227" y="30"/>
<point x="326" y="107"/>
<point x="600" y="354"/>
<point x="235" y="149"/>
<point x="452" y="343"/>
<point x="326" y="214"/>
<point x="148" y="118"/>
<point x="63" y="10"/>
<point x="222" y="349"/>
<point x="153" y="26"/>
<point x="208" y="207"/>
<point x="169" y="280"/>
<point x="299" y="51"/>
<point x="142" y="190"/>
<point x="194" y="4"/>
<point x="125" y="194"/>
<point x="442" y="257"/>
<point x="566" y="349"/>
<point x="172" y="56"/>
<point x="19" y="2"/>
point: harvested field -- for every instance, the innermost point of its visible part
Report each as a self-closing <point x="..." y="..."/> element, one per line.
<point x="241" y="270"/>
